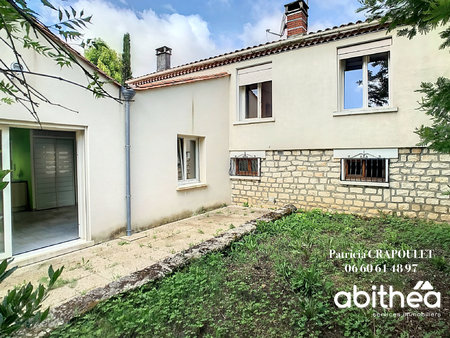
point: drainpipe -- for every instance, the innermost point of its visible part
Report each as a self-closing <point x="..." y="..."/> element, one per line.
<point x="128" y="95"/>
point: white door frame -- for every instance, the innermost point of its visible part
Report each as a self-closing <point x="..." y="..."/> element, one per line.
<point x="7" y="208"/>
<point x="82" y="179"/>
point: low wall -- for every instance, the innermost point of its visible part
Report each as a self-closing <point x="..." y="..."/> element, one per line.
<point x="311" y="179"/>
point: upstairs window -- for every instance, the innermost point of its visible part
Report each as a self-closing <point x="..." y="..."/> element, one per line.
<point x="188" y="160"/>
<point x="365" y="76"/>
<point x="255" y="92"/>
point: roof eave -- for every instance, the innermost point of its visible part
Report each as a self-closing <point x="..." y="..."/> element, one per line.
<point x="256" y="49"/>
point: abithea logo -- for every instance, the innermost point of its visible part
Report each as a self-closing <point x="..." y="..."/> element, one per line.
<point x="385" y="299"/>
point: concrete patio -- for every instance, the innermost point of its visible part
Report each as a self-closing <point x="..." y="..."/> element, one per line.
<point x="101" y="264"/>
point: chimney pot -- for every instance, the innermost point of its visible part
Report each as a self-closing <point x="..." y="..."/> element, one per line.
<point x="296" y="18"/>
<point x="163" y="58"/>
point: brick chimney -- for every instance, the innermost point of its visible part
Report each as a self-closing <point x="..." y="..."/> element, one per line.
<point x="163" y="58"/>
<point x="296" y="18"/>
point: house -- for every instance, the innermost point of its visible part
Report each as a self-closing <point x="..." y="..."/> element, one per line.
<point x="321" y="120"/>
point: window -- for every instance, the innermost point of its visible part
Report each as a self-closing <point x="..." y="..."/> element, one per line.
<point x="365" y="75"/>
<point x="255" y="92"/>
<point x="245" y="166"/>
<point x="368" y="167"/>
<point x="188" y="159"/>
<point x="364" y="170"/>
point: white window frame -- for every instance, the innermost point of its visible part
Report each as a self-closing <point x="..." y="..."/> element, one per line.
<point x="183" y="180"/>
<point x="251" y="76"/>
<point x="364" y="50"/>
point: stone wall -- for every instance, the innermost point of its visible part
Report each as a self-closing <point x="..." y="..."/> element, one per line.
<point x="310" y="179"/>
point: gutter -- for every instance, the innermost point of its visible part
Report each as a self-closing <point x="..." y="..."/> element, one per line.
<point x="256" y="49"/>
<point x="128" y="95"/>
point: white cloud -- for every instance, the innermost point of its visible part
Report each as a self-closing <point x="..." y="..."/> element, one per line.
<point x="170" y="8"/>
<point x="319" y="25"/>
<point x="268" y="15"/>
<point x="188" y="36"/>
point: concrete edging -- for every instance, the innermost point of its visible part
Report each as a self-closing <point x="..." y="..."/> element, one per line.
<point x="79" y="305"/>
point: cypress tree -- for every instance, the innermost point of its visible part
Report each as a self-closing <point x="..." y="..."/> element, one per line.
<point x="126" y="59"/>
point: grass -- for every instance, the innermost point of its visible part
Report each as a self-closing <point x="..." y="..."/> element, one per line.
<point x="280" y="282"/>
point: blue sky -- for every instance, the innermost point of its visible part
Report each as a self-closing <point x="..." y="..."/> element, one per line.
<point x="194" y="29"/>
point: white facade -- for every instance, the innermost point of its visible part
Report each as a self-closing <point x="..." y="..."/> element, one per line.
<point x="305" y="113"/>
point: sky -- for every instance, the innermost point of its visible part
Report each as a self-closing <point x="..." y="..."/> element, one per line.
<point x="194" y="29"/>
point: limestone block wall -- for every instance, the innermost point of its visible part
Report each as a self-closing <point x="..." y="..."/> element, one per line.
<point x="310" y="179"/>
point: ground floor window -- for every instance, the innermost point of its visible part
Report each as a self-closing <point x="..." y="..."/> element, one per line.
<point x="188" y="159"/>
<point x="245" y="166"/>
<point x="365" y="169"/>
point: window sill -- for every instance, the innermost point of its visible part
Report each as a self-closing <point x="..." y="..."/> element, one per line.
<point x="246" y="178"/>
<point x="189" y="186"/>
<point x="366" y="184"/>
<point x="253" y="121"/>
<point x="365" y="111"/>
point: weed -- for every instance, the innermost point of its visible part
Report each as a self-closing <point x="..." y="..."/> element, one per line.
<point x="200" y="211"/>
<point x="245" y="205"/>
<point x="71" y="283"/>
<point x="122" y="243"/>
<point x="200" y="231"/>
<point x="439" y="263"/>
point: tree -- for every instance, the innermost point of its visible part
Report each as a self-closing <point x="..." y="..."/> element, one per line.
<point x="20" y="28"/>
<point x="126" y="59"/>
<point x="421" y="16"/>
<point x="105" y="58"/>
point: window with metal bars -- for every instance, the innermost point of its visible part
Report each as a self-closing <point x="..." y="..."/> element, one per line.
<point x="365" y="169"/>
<point x="245" y="166"/>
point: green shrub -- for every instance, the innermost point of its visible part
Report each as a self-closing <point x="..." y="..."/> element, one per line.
<point x="21" y="307"/>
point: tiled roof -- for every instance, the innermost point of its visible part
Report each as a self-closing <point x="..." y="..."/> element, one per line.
<point x="178" y="81"/>
<point x="270" y="48"/>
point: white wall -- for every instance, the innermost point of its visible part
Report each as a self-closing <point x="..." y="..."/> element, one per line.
<point x="157" y="117"/>
<point x="100" y="122"/>
<point x="305" y="95"/>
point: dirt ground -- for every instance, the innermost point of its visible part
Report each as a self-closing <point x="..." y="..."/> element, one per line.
<point x="101" y="264"/>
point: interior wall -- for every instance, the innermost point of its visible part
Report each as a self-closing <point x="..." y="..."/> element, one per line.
<point x="21" y="158"/>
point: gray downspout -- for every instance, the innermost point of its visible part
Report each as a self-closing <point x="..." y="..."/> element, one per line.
<point x="128" y="95"/>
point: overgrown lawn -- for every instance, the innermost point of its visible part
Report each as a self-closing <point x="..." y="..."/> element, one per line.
<point x="281" y="282"/>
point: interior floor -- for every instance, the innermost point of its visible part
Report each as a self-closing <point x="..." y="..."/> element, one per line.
<point x="33" y="230"/>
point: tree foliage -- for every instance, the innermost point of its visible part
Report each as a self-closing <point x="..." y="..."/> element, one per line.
<point x="421" y="16"/>
<point x="20" y="29"/>
<point x="436" y="104"/>
<point x="105" y="58"/>
<point x="126" y="59"/>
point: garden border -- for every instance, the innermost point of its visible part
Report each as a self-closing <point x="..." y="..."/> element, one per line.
<point x="77" y="306"/>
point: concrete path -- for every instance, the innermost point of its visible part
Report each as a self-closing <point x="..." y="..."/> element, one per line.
<point x="101" y="264"/>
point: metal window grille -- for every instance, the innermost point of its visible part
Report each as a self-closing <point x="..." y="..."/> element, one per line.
<point x="245" y="166"/>
<point x="365" y="169"/>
